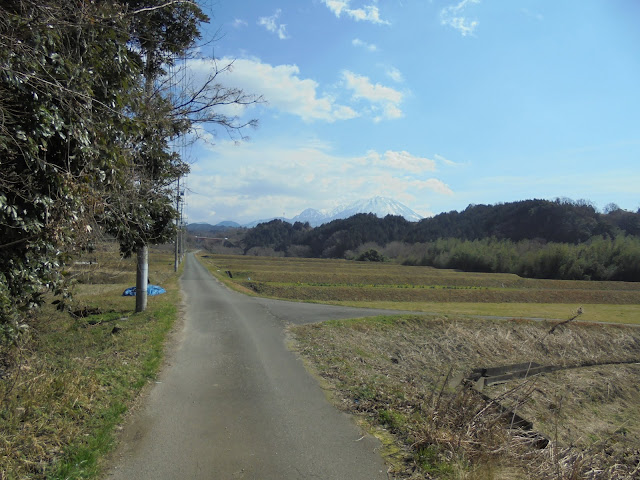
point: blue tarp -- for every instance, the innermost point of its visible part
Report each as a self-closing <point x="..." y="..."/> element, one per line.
<point x="151" y="291"/>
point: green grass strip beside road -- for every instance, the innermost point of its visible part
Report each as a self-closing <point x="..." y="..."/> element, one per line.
<point x="627" y="314"/>
<point x="142" y="342"/>
<point x="76" y="380"/>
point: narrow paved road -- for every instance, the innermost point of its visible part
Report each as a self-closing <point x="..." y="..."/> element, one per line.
<point x="234" y="403"/>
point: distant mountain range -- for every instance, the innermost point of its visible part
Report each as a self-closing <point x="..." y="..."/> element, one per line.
<point x="379" y="206"/>
<point x="208" y="229"/>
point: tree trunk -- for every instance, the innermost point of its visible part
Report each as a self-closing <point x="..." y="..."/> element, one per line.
<point x="142" y="278"/>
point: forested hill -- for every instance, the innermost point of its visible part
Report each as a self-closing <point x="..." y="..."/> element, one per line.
<point x="551" y="221"/>
<point x="532" y="238"/>
<point x="544" y="220"/>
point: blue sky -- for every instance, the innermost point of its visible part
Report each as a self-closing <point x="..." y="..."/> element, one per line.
<point x="437" y="104"/>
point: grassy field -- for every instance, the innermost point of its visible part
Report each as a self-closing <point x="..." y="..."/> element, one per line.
<point x="402" y="376"/>
<point x="65" y="387"/>
<point x="426" y="289"/>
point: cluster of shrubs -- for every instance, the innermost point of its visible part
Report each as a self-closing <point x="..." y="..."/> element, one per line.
<point x="599" y="258"/>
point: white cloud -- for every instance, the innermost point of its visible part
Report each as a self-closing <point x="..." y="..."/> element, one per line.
<point x="434" y="185"/>
<point x="394" y="186"/>
<point x="363" y="88"/>
<point x="402" y="161"/>
<point x="238" y="23"/>
<point x="367" y="13"/>
<point x="285" y="90"/>
<point x="444" y="160"/>
<point x="391" y="112"/>
<point x="271" y="24"/>
<point x="281" y="86"/>
<point x="395" y="74"/>
<point x="337" y="6"/>
<point x="534" y="15"/>
<point x="385" y="98"/>
<point x="198" y="133"/>
<point x="368" y="46"/>
<point x="454" y="16"/>
<point x="257" y="181"/>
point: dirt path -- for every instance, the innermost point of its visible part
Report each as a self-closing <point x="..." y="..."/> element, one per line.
<point x="234" y="403"/>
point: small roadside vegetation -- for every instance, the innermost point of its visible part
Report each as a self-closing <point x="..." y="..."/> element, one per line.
<point x="67" y="382"/>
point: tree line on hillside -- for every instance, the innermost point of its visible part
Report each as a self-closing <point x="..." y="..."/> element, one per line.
<point x="88" y="110"/>
<point x="534" y="238"/>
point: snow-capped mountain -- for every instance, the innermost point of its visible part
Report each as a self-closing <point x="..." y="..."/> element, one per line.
<point x="311" y="215"/>
<point x="379" y="206"/>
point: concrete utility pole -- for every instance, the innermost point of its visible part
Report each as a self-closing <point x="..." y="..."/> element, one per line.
<point x="142" y="278"/>
<point x="178" y="226"/>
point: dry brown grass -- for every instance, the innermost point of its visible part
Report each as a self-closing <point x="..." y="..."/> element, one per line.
<point x="46" y="406"/>
<point x="397" y="372"/>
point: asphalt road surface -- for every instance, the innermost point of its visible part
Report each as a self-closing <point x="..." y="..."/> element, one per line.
<point x="235" y="403"/>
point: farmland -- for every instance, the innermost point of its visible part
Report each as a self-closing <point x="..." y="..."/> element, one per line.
<point x="425" y="289"/>
<point x="401" y="376"/>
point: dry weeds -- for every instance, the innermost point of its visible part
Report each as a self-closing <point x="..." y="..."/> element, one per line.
<point x="400" y="372"/>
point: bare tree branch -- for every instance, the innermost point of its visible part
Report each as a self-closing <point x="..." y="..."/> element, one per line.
<point x="158" y="7"/>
